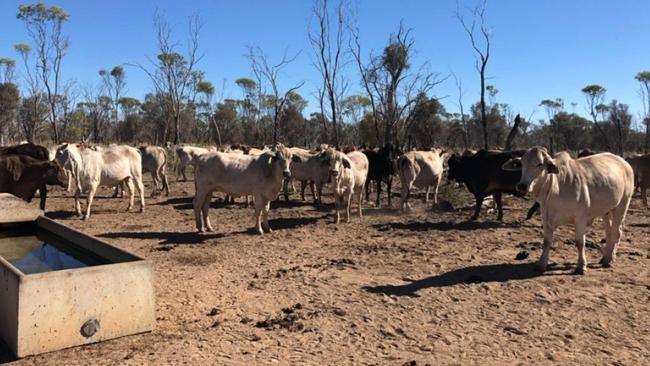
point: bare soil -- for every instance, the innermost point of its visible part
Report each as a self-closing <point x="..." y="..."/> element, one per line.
<point x="425" y="287"/>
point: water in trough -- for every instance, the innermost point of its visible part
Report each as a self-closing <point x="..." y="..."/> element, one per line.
<point x="32" y="254"/>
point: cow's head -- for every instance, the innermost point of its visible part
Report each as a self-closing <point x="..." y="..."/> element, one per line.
<point x="456" y="171"/>
<point x="282" y="156"/>
<point x="54" y="175"/>
<point x="335" y="161"/>
<point x="535" y="162"/>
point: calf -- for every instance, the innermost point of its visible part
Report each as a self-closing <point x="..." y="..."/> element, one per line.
<point x="185" y="156"/>
<point x="483" y="176"/>
<point x="22" y="175"/>
<point x="239" y="175"/>
<point x="154" y="161"/>
<point x="34" y="151"/>
<point x="422" y="169"/>
<point x="109" y="166"/>
<point x="307" y="168"/>
<point x="575" y="192"/>
<point x="641" y="167"/>
<point x="380" y="169"/>
<point x="349" y="173"/>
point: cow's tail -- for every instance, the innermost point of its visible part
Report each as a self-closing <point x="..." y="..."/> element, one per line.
<point x="407" y="170"/>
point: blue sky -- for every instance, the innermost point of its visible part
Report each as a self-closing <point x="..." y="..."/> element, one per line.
<point x="541" y="49"/>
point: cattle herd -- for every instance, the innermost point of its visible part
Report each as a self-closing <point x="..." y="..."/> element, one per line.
<point x="565" y="190"/>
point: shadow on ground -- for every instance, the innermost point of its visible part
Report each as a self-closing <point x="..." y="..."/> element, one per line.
<point x="444" y="225"/>
<point x="165" y="237"/>
<point x="475" y="274"/>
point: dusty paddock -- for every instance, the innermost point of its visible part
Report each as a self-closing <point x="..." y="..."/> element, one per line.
<point x="388" y="289"/>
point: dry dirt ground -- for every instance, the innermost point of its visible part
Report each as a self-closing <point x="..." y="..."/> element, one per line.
<point x="389" y="289"/>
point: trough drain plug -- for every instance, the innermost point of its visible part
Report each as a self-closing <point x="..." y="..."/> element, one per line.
<point x="90" y="328"/>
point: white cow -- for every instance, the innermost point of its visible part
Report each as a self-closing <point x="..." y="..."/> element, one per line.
<point x="185" y="156"/>
<point x="576" y="191"/>
<point x="154" y="161"/>
<point x="307" y="168"/>
<point x="239" y="175"/>
<point x="349" y="173"/>
<point x="422" y="169"/>
<point x="109" y="167"/>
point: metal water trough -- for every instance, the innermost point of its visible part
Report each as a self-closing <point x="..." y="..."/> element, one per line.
<point x="61" y="288"/>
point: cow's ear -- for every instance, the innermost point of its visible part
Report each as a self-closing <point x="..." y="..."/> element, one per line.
<point x="512" y="165"/>
<point x="551" y="167"/>
<point x="15" y="169"/>
<point x="346" y="164"/>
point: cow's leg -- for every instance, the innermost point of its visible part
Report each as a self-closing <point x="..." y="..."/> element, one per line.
<point x="165" y="182"/>
<point x="426" y="194"/>
<point x="337" y="205"/>
<point x="379" y="192"/>
<point x="497" y="200"/>
<point x="91" y="196"/>
<point x="204" y="211"/>
<point x="319" y="193"/>
<point x="140" y="186"/>
<point x="312" y="186"/>
<point x="581" y="227"/>
<point x="285" y="188"/>
<point x="532" y="211"/>
<point x="389" y="184"/>
<point x="43" y="192"/>
<point x="479" y="203"/>
<point x="348" y="203"/>
<point x="548" y="241"/>
<point x="70" y="181"/>
<point x="131" y="188"/>
<point x="616" y="231"/>
<point x="404" y="196"/>
<point x="644" y="199"/>
<point x="303" y="186"/>
<point x="259" y="206"/>
<point x="265" y="217"/>
<point x="436" y="186"/>
<point x="360" y="197"/>
<point x="77" y="201"/>
<point x="367" y="187"/>
<point x="197" y="202"/>
<point x="156" y="180"/>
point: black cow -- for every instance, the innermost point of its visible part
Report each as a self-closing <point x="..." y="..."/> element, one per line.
<point x="481" y="173"/>
<point x="22" y="175"/>
<point x="34" y="151"/>
<point x="381" y="169"/>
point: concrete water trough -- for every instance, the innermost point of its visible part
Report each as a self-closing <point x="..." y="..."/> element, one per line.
<point x="61" y="288"/>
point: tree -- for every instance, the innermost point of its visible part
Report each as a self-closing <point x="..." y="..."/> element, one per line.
<point x="9" y="103"/>
<point x="392" y="85"/>
<point x="330" y="56"/>
<point x="206" y="89"/>
<point x="482" y="55"/>
<point x="595" y="96"/>
<point x="643" y="78"/>
<point x="114" y="83"/>
<point x="45" y="27"/>
<point x="621" y="120"/>
<point x="7" y="69"/>
<point x="553" y="107"/>
<point x="174" y="75"/>
<point x="270" y="73"/>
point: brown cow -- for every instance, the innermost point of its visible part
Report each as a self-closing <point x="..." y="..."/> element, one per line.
<point x="22" y="175"/>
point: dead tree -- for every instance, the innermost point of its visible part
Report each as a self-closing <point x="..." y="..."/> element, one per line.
<point x="271" y="73"/>
<point x="482" y="53"/>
